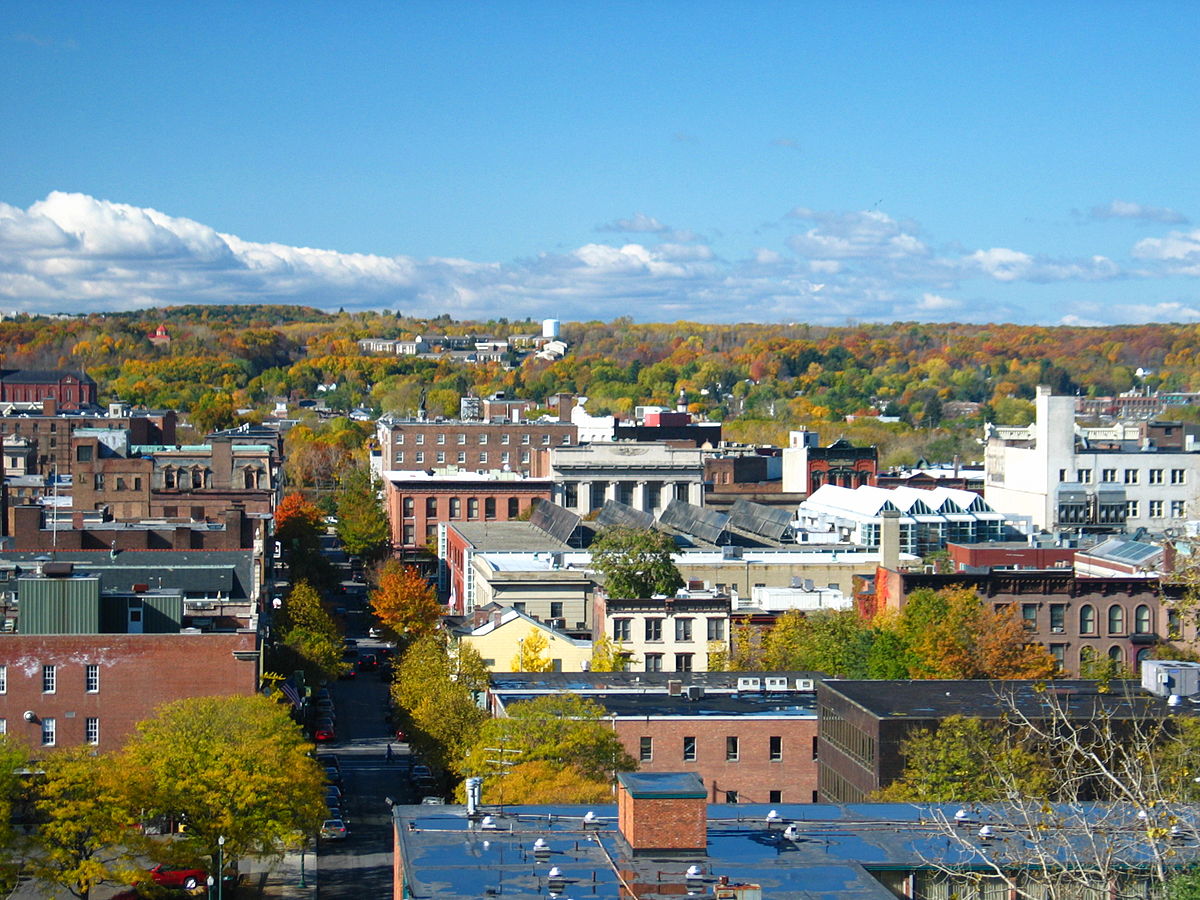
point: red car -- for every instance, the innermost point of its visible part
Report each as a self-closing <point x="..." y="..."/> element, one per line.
<point x="167" y="876"/>
<point x="324" y="733"/>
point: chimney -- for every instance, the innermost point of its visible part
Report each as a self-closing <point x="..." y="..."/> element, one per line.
<point x="663" y="812"/>
<point x="889" y="540"/>
<point x="49" y="406"/>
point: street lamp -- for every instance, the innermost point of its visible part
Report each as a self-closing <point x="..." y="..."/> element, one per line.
<point x="303" y="845"/>
<point x="221" y="867"/>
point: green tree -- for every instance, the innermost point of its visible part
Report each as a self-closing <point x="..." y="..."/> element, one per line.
<point x="609" y="655"/>
<point x="309" y="636"/>
<point x="231" y="766"/>
<point x="966" y="760"/>
<point x="403" y="601"/>
<point x="213" y="412"/>
<point x="564" y="732"/>
<point x="81" y="841"/>
<point x="13" y="758"/>
<point x="636" y="562"/>
<point x="836" y="642"/>
<point x="362" y="523"/>
<point x="438" y="685"/>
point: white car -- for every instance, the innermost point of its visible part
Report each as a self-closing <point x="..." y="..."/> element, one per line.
<point x="334" y="830"/>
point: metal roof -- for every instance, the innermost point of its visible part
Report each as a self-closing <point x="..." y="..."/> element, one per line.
<point x="622" y="514"/>
<point x="768" y="521"/>
<point x="695" y="521"/>
<point x="558" y="522"/>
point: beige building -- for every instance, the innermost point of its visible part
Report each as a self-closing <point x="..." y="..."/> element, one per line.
<point x="499" y="642"/>
<point x="666" y="634"/>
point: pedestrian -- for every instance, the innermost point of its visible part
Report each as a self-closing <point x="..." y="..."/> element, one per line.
<point x="389" y="752"/>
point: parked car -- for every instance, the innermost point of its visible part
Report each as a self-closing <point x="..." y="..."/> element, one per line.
<point x="323" y="734"/>
<point x="422" y="774"/>
<point x="330" y="760"/>
<point x="368" y="662"/>
<point x="171" y="877"/>
<point x="335" y="830"/>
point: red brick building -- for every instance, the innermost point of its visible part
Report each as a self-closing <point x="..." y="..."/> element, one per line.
<point x="747" y="743"/>
<point x="423" y="444"/>
<point x="1009" y="555"/>
<point x="71" y="390"/>
<point x="64" y="690"/>
<point x="417" y="502"/>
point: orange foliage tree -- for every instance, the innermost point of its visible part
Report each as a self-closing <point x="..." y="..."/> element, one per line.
<point x="404" y="601"/>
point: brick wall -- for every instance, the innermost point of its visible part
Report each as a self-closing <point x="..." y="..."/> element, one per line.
<point x="662" y="823"/>
<point x="137" y="673"/>
<point x="753" y="775"/>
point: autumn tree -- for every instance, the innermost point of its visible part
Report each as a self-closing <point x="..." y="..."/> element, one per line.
<point x="560" y="736"/>
<point x="362" y="523"/>
<point x="13" y="758"/>
<point x="636" y="562"/>
<point x="438" y="684"/>
<point x="232" y="766"/>
<point x="298" y="526"/>
<point x="82" y="839"/>
<point x="531" y="653"/>
<point x="309" y="633"/>
<point x="610" y="656"/>
<point x="404" y="601"/>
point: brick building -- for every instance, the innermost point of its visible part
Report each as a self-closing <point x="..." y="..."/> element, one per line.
<point x="416" y="502"/>
<point x="751" y="737"/>
<point x="807" y="466"/>
<point x="70" y="390"/>
<point x="422" y="444"/>
<point x="666" y="634"/>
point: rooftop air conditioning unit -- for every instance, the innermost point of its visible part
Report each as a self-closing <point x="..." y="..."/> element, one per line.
<point x="805" y="684"/>
<point x="749" y="684"/>
<point x="674" y="687"/>
<point x="776" y="683"/>
<point x="694" y="692"/>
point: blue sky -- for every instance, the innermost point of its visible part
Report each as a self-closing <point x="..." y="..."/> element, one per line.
<point x="819" y="162"/>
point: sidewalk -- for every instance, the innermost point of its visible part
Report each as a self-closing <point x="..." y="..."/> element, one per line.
<point x="282" y="880"/>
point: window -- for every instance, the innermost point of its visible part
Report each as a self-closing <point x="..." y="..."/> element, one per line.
<point x="49" y="679"/>
<point x="441" y="456"/>
<point x="420" y="439"/>
<point x="566" y="440"/>
<point x="462" y="439"/>
<point x="1059" y="653"/>
<point x="1131" y="476"/>
<point x="91" y="731"/>
<point x="1178" y="476"/>
<point x="1116" y="619"/>
<point x="48" y="732"/>
<point x="3" y="679"/>
<point x="1141" y="619"/>
<point x="556" y="609"/>
<point x="1176" y="509"/>
<point x="504" y="457"/>
<point x="775" y="796"/>
<point x="1108" y="475"/>
<point x="504" y="438"/>
<point x="461" y="457"/>
<point x="83" y="454"/>
<point x="409" y="535"/>
<point x="689" y="749"/>
<point x="1062" y="474"/>
<point x="120" y="483"/>
<point x="545" y="440"/>
<point x="483" y="458"/>
<point x="1131" y="509"/>
<point x="683" y="630"/>
<point x="1155" y="476"/>
<point x="570" y="495"/>
<point x="731" y="748"/>
<point x="398" y="438"/>
<point x="431" y="507"/>
<point x="654" y="662"/>
<point x="1156" y="507"/>
<point x="483" y="440"/>
<point x="99" y="481"/>
<point x="514" y="507"/>
<point x="525" y="440"/>
<point x="683" y="662"/>
<point x="776" y="751"/>
<point x="1087" y="619"/>
<point x="441" y="438"/>
<point x="1058" y="618"/>
<point x="731" y="796"/>
<point x="409" y="505"/>
<point x="1083" y="476"/>
<point x="524" y="456"/>
<point x="1117" y="655"/>
<point x="646" y="749"/>
<point x="420" y="456"/>
<point x="1029" y="612"/>
<point x="622" y="629"/>
<point x="399" y="456"/>
<point x="489" y="507"/>
<point x="455" y="508"/>
<point x="654" y="629"/>
<point x="716" y="629"/>
<point x="472" y="507"/>
<point x="91" y="678"/>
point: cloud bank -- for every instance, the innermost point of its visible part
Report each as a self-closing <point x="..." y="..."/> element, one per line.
<point x="72" y="252"/>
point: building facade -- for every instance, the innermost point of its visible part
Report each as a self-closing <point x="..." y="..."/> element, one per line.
<point x="668" y="634"/>
<point x="645" y="476"/>
<point x="421" y="444"/>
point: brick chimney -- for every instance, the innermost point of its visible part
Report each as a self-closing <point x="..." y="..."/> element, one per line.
<point x="661" y="812"/>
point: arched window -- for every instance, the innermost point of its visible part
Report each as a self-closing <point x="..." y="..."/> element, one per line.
<point x="1116" y="619"/>
<point x="1142" y="655"/>
<point x="1117" y="655"/>
<point x="168" y="477"/>
<point x="1141" y="619"/>
<point x="1087" y="661"/>
<point x="197" y="478"/>
<point x="1087" y="619"/>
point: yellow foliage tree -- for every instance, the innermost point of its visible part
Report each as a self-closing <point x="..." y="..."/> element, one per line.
<point x="531" y="654"/>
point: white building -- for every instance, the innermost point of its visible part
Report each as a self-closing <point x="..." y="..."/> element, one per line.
<point x="644" y="475"/>
<point x="1063" y="476"/>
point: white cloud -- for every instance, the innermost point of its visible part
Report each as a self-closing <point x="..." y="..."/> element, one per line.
<point x="1124" y="209"/>
<point x="639" y="223"/>
<point x="72" y="252"/>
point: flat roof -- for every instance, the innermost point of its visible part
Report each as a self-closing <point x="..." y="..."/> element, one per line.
<point x="507" y="536"/>
<point x="659" y="704"/>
